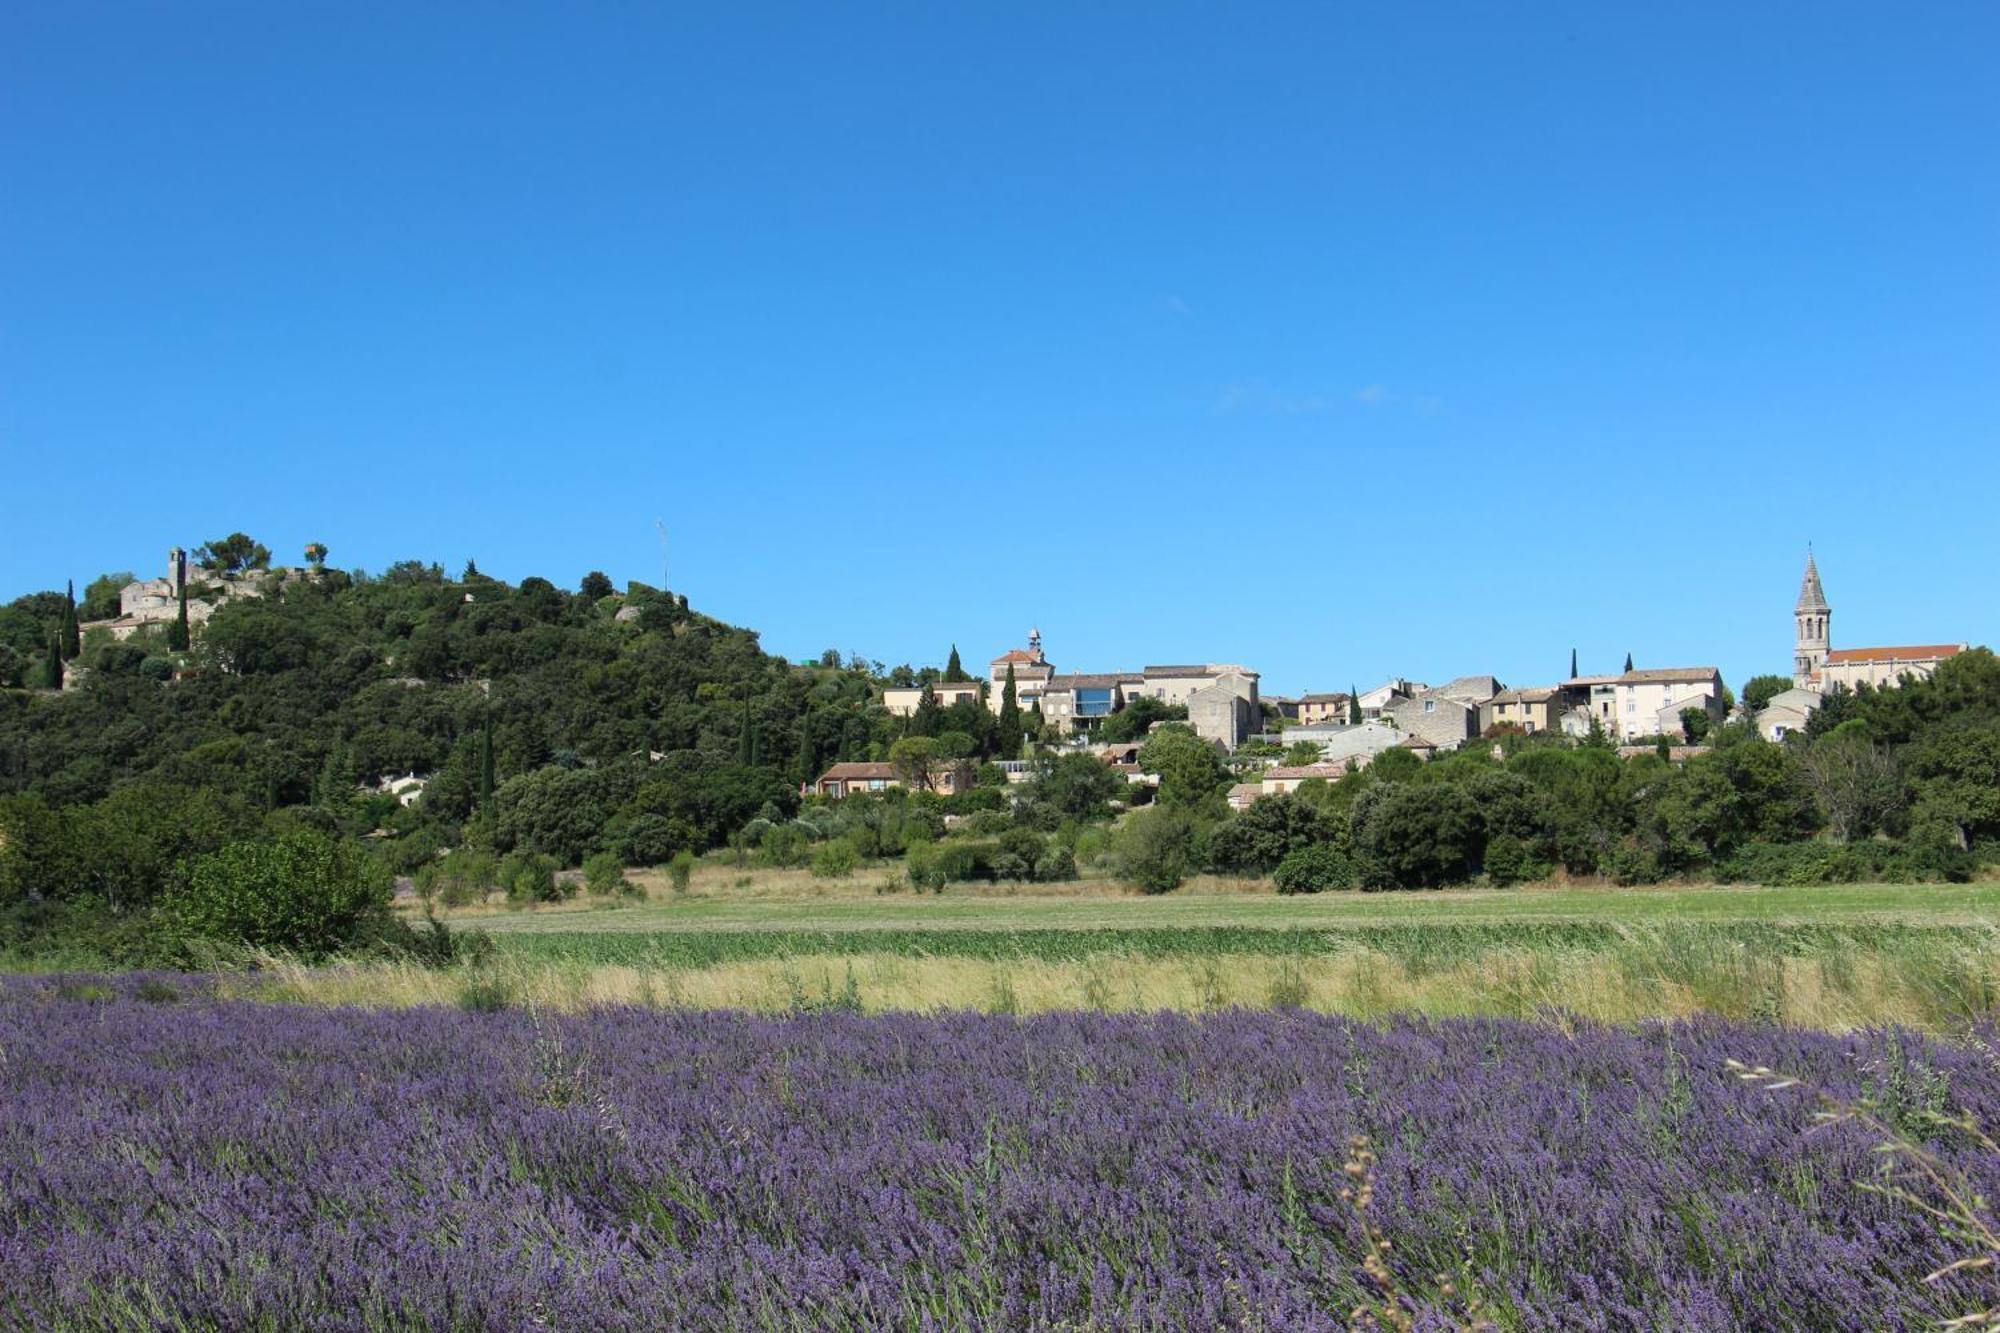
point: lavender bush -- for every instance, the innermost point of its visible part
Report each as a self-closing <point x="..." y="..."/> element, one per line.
<point x="171" y="1160"/>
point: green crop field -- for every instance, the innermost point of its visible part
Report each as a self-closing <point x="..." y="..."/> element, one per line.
<point x="848" y="911"/>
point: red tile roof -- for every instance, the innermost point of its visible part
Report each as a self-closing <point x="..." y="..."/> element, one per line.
<point x="848" y="772"/>
<point x="1927" y="652"/>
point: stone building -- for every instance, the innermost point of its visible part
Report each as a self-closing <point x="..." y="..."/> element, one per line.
<point x="1818" y="665"/>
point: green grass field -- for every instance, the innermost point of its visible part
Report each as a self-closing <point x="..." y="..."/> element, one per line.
<point x="847" y="910"/>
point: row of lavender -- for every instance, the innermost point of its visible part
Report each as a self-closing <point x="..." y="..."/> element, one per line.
<point x="197" y="1163"/>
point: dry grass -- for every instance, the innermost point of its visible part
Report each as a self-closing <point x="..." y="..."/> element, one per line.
<point x="1618" y="985"/>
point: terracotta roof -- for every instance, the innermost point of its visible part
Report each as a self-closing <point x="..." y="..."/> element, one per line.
<point x="1306" y="771"/>
<point x="1926" y="652"/>
<point x="1017" y="655"/>
<point x="1539" y="694"/>
<point x="1669" y="675"/>
<point x="848" y="772"/>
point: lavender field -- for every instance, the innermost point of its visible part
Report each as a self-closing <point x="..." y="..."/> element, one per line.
<point x="169" y="1160"/>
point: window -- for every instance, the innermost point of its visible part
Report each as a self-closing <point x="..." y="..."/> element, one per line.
<point x="1430" y="705"/>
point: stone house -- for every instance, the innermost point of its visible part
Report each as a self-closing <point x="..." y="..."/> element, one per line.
<point x="1787" y="712"/>
<point x="1071" y="701"/>
<point x="1445" y="722"/>
<point x="1318" y="709"/>
<point x="1533" y="709"/>
<point x="853" y="779"/>
<point x="903" y="701"/>
<point x="1342" y="745"/>
<point x="1376" y="703"/>
<point x="1280" y="781"/>
<point x="1226" y="710"/>
<point x="1649" y="702"/>
<point x="1032" y="671"/>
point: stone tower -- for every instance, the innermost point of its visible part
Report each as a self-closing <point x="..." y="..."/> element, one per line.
<point x="1813" y="617"/>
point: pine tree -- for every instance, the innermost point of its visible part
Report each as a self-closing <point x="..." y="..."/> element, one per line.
<point x="1010" y="718"/>
<point x="929" y="718"/>
<point x="1628" y="661"/>
<point x="954" y="671"/>
<point x="1353" y="707"/>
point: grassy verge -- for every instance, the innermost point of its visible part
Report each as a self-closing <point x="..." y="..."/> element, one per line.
<point x="1832" y="977"/>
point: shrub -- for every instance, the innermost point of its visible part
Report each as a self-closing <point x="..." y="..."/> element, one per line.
<point x="530" y="877"/>
<point x="1508" y="861"/>
<point x="304" y="892"/>
<point x="786" y="847"/>
<point x="1314" y="868"/>
<point x="1155" y="848"/>
<point x="1055" y="865"/>
<point x="604" y="875"/>
<point x="836" y="860"/>
<point x="680" y="870"/>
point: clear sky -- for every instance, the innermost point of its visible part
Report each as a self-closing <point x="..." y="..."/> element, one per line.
<point x="1338" y="340"/>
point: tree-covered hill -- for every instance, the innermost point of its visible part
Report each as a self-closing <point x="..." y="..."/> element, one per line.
<point x="567" y="721"/>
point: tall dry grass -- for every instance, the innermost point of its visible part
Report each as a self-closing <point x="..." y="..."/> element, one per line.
<point x="1940" y="983"/>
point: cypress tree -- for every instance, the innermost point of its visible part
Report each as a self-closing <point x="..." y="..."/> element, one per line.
<point x="177" y="633"/>
<point x="72" y="637"/>
<point x="485" y="760"/>
<point x="748" y="748"/>
<point x="52" y="671"/>
<point x="1628" y="661"/>
<point x="1353" y="707"/>
<point x="1010" y="718"/>
<point x="1572" y="664"/>
<point x="954" y="671"/>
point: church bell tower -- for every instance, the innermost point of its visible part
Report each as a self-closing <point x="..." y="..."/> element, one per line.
<point x="1812" y="619"/>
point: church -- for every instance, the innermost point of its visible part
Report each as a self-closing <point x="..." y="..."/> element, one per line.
<point x="1817" y="665"/>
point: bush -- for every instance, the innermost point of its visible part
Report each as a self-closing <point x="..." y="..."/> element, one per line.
<point x="786" y="847"/>
<point x="1508" y="861"/>
<point x="680" y="870"/>
<point x="836" y="860"/>
<point x="604" y="875"/>
<point x="530" y="877"/>
<point x="1055" y="866"/>
<point x="304" y="892"/>
<point x="1155" y="848"/>
<point x="1314" y="868"/>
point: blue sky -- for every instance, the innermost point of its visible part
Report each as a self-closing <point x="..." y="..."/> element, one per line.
<point x="1337" y="340"/>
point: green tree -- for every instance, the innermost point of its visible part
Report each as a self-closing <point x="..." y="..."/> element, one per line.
<point x="1628" y="663"/>
<point x="101" y="596"/>
<point x="316" y="556"/>
<point x="596" y="586"/>
<point x="1136" y="719"/>
<point x="1314" y="867"/>
<point x="235" y="554"/>
<point x="1353" y="707"/>
<point x="179" y="636"/>
<point x="1300" y="754"/>
<point x="1760" y="690"/>
<point x="1856" y="782"/>
<point x="72" y="636"/>
<point x="954" y="671"/>
<point x="52" y="664"/>
<point x="1255" y="840"/>
<point x="928" y="720"/>
<point x="1695" y="723"/>
<point x="1572" y="664"/>
<point x="1074" y="786"/>
<point x="917" y="760"/>
<point x="1155" y="848"/>
<point x="1009" y="727"/>
<point x="305" y="892"/>
<point x="1189" y="769"/>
